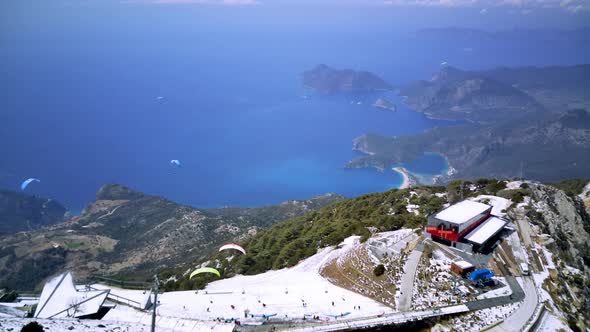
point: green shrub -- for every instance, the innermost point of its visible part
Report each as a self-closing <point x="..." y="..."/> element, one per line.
<point x="379" y="270"/>
<point x="32" y="327"/>
<point x="572" y="187"/>
<point x="494" y="186"/>
<point x="515" y="195"/>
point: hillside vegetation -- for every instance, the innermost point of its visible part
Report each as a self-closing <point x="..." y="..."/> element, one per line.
<point x="571" y="187"/>
<point x="286" y="243"/>
<point x="130" y="235"/>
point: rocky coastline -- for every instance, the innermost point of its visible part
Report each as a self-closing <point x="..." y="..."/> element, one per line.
<point x="384" y="104"/>
<point x="327" y="80"/>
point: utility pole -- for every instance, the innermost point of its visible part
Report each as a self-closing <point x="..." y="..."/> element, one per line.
<point x="156" y="289"/>
<point x="461" y="189"/>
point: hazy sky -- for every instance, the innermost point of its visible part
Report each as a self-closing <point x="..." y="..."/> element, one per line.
<point x="91" y="70"/>
<point x="407" y="14"/>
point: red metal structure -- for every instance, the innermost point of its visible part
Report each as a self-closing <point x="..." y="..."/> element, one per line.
<point x="456" y="221"/>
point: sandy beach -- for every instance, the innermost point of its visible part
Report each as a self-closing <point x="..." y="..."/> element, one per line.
<point x="405" y="175"/>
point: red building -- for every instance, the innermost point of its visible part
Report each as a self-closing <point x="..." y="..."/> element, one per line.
<point x="462" y="267"/>
<point x="456" y="221"/>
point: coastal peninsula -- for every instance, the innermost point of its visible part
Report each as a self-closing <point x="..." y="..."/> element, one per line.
<point x="327" y="80"/>
<point x="384" y="104"/>
<point x="508" y="124"/>
<point x="474" y="151"/>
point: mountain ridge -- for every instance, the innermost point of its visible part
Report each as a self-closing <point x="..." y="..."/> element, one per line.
<point x="327" y="80"/>
<point x="538" y="133"/>
<point x="128" y="234"/>
<point x="501" y="151"/>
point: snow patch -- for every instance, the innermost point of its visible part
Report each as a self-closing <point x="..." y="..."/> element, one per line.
<point x="550" y="323"/>
<point x="514" y="185"/>
<point x="413" y="208"/>
<point x="499" y="204"/>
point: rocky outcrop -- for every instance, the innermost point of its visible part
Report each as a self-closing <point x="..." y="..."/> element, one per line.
<point x="384" y="104"/>
<point x="327" y="80"/>
<point x="561" y="226"/>
<point x="585" y="197"/>
<point x="22" y="212"/>
<point x="117" y="192"/>
<point x="564" y="218"/>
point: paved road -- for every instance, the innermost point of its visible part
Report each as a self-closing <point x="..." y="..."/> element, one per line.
<point x="517" y="295"/>
<point x="407" y="282"/>
<point x="477" y="259"/>
<point x="520" y="317"/>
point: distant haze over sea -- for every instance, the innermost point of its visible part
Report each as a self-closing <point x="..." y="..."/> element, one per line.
<point x="80" y="104"/>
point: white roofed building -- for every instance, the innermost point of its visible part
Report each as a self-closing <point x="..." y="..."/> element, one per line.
<point x="466" y="224"/>
<point x="486" y="230"/>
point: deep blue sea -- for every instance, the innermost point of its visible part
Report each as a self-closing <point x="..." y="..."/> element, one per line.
<point x="79" y="105"/>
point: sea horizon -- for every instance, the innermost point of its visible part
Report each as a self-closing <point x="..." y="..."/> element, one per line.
<point x="77" y="118"/>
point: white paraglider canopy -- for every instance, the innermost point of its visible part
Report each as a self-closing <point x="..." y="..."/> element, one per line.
<point x="26" y="182"/>
<point x="233" y="246"/>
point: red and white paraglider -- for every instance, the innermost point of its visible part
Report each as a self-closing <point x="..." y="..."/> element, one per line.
<point x="232" y="246"/>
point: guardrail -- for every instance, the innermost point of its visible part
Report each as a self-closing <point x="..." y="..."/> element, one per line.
<point x="489" y="327"/>
<point x="137" y="285"/>
<point x="390" y="319"/>
<point x="533" y="321"/>
<point x="120" y="299"/>
<point x="124" y="300"/>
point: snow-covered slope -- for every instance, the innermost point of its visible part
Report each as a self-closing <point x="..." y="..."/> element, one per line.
<point x="289" y="293"/>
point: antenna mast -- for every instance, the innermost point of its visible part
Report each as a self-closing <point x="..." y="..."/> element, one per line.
<point x="156" y="289"/>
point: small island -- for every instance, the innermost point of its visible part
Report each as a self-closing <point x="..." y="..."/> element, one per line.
<point x="384" y="104"/>
<point x="327" y="80"/>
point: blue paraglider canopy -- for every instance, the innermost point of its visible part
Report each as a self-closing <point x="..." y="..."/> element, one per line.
<point x="26" y="182"/>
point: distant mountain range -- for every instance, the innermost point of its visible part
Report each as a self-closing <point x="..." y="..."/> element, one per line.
<point x="129" y="234"/>
<point x="466" y="34"/>
<point x="327" y="80"/>
<point x="501" y="93"/>
<point x="518" y="119"/>
<point x="23" y="212"/>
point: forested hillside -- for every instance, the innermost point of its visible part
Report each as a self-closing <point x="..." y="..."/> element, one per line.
<point x="286" y="243"/>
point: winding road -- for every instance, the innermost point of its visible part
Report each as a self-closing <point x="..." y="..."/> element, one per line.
<point x="407" y="280"/>
<point x="520" y="318"/>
